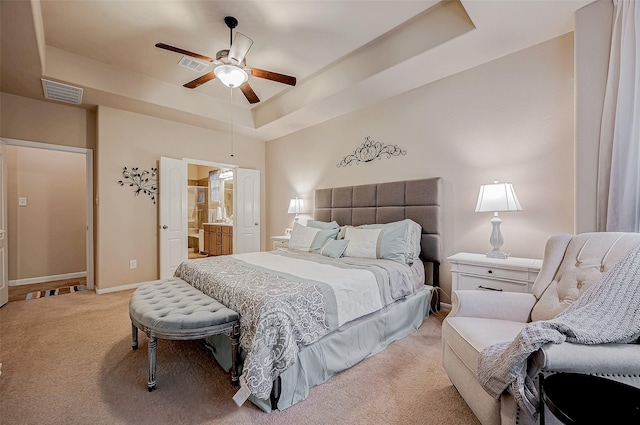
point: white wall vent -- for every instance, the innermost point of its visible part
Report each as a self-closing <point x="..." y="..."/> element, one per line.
<point x="193" y="64"/>
<point x="62" y="92"/>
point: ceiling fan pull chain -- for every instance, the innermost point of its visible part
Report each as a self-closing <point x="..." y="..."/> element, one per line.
<point x="231" y="101"/>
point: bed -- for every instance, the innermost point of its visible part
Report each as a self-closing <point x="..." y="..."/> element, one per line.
<point x="301" y="321"/>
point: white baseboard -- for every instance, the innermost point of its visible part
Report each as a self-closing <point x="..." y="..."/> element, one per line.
<point x="119" y="288"/>
<point x="40" y="279"/>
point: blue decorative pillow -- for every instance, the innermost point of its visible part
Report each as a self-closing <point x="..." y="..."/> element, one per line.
<point x="322" y="237"/>
<point x="334" y="248"/>
<point x="400" y="240"/>
<point x="322" y="224"/>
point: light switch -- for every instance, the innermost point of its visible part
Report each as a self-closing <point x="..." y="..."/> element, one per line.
<point x="22" y="202"/>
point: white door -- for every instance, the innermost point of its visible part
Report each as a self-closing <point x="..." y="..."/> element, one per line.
<point x="173" y="215"/>
<point x="4" y="272"/>
<point x="246" y="211"/>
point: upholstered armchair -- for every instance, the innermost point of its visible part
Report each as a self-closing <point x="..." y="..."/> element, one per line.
<point x="481" y="318"/>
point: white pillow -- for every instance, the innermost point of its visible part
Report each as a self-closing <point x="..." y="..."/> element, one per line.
<point x="302" y="237"/>
<point x="363" y="243"/>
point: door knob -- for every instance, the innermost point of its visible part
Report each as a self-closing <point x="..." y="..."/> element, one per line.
<point x="165" y="227"/>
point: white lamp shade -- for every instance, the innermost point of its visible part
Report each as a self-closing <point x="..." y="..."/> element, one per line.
<point x="497" y="197"/>
<point x="296" y="206"/>
<point x="231" y="75"/>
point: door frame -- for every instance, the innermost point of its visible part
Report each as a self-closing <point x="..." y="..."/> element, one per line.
<point x="89" y="192"/>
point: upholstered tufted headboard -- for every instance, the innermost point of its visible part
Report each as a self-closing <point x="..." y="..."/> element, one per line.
<point x="418" y="200"/>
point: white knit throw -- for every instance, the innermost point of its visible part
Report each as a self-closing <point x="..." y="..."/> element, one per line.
<point x="607" y="312"/>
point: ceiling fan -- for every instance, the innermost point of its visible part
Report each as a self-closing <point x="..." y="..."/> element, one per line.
<point x="231" y="64"/>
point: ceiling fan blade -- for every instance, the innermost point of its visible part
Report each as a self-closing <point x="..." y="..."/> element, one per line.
<point x="184" y="52"/>
<point x="239" y="48"/>
<point x="249" y="93"/>
<point x="274" y="76"/>
<point x="200" y="80"/>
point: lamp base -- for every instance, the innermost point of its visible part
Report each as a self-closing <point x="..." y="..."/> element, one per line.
<point x="497" y="254"/>
<point x="496" y="239"/>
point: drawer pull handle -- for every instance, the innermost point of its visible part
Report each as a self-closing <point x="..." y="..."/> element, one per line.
<point x="490" y="289"/>
<point x="489" y="271"/>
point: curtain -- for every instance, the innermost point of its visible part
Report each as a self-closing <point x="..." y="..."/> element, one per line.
<point x="619" y="156"/>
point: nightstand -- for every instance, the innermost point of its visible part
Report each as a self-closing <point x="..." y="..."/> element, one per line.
<point x="280" y="242"/>
<point x="477" y="271"/>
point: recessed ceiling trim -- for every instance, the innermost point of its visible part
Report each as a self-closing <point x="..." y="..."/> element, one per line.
<point x="54" y="90"/>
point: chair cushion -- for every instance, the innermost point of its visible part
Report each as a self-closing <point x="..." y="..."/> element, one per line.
<point x="170" y="305"/>
<point x="468" y="336"/>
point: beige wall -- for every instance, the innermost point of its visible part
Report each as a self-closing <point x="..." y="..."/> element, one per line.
<point x="510" y="119"/>
<point x="48" y="236"/>
<point x="47" y="122"/>
<point x="127" y="226"/>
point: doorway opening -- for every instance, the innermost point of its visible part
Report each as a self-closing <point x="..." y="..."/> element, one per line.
<point x="50" y="214"/>
<point x="209" y="210"/>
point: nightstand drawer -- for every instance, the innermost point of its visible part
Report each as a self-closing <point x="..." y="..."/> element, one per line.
<point x="495" y="272"/>
<point x="280" y="244"/>
<point x="481" y="283"/>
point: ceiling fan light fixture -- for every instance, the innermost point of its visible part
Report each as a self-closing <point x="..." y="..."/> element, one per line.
<point x="231" y="75"/>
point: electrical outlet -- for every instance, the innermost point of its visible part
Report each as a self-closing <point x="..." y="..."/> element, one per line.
<point x="133" y="264"/>
<point x="22" y="202"/>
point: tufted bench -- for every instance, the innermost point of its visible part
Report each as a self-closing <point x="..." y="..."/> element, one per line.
<point x="173" y="309"/>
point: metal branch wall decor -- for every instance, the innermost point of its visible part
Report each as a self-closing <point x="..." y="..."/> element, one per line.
<point x="142" y="181"/>
<point x="370" y="150"/>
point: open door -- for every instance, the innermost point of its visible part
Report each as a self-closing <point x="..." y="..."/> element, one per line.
<point x="173" y="215"/>
<point x="4" y="271"/>
<point x="246" y="208"/>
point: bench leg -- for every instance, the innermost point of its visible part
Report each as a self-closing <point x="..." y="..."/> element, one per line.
<point x="235" y="344"/>
<point x="153" y="344"/>
<point x="134" y="337"/>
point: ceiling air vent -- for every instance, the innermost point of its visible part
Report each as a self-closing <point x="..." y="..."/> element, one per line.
<point x="62" y="92"/>
<point x="192" y="64"/>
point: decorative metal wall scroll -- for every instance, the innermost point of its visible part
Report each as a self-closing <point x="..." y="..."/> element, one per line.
<point x="142" y="181"/>
<point x="370" y="150"/>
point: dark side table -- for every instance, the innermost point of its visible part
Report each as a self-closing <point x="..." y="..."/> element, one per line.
<point x="580" y="399"/>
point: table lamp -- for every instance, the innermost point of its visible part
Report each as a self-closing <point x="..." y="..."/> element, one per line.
<point x="497" y="197"/>
<point x="296" y="206"/>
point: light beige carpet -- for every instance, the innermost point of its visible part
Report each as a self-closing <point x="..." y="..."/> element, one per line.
<point x="68" y="360"/>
